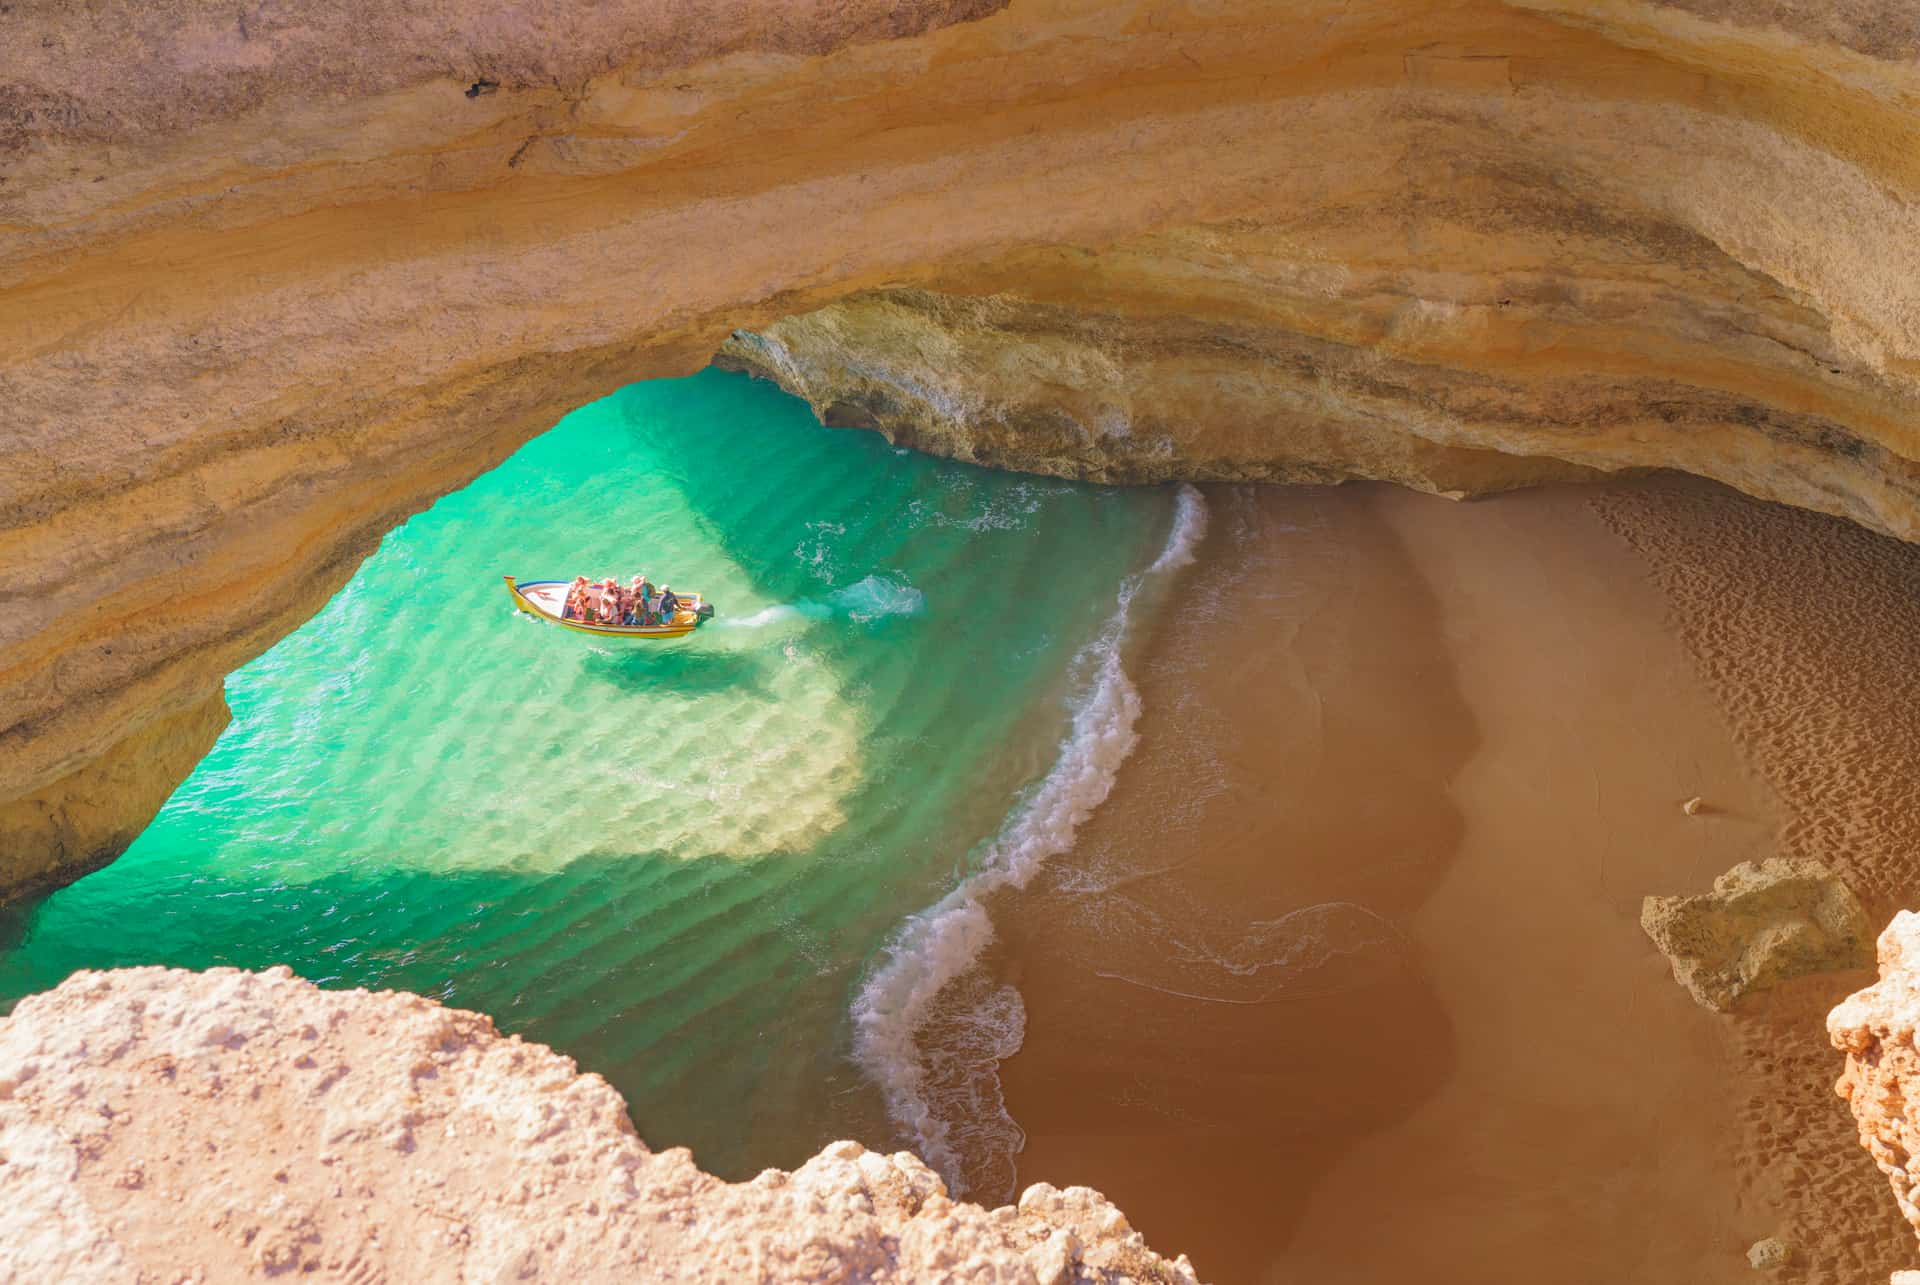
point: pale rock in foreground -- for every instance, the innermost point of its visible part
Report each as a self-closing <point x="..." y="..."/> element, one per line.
<point x="157" y="1124"/>
<point x="1764" y="923"/>
<point x="1875" y="1029"/>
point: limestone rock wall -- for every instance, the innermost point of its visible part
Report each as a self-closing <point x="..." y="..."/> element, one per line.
<point x="1875" y="1029"/>
<point x="168" y="1125"/>
<point x="273" y="279"/>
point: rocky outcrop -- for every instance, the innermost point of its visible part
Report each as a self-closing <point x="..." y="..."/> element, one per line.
<point x="271" y="281"/>
<point x="1875" y="1029"/>
<point x="166" y="1125"/>
<point x="1764" y="923"/>
<point x="1113" y="397"/>
<point x="85" y="819"/>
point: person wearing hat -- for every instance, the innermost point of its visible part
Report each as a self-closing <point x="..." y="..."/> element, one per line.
<point x="668" y="604"/>
<point x="637" y="601"/>
<point x="577" y="600"/>
<point x="609" y="601"/>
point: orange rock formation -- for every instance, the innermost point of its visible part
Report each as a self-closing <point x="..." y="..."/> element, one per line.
<point x="1875" y="1029"/>
<point x="271" y="282"/>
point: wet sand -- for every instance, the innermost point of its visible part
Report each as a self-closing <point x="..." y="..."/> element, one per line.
<point x="1345" y="982"/>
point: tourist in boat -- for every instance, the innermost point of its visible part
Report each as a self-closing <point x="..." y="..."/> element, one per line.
<point x="609" y="602"/>
<point x="650" y="604"/>
<point x="577" y="600"/>
<point x="669" y="603"/>
<point x="637" y="601"/>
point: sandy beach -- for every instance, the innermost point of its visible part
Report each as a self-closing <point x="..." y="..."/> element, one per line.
<point x="1356" y="937"/>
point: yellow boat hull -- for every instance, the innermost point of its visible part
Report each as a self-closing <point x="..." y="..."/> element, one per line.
<point x="537" y="599"/>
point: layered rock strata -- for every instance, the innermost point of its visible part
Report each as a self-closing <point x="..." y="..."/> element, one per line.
<point x="1765" y="922"/>
<point x="1875" y="1029"/>
<point x="271" y="282"/>
<point x="167" y="1125"/>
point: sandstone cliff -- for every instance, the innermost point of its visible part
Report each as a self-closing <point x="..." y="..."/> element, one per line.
<point x="168" y="1125"/>
<point x="271" y="280"/>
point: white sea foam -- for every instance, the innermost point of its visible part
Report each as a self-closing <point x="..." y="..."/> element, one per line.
<point x="1297" y="942"/>
<point x="762" y="618"/>
<point x="938" y="945"/>
<point x="877" y="596"/>
<point x="816" y="549"/>
<point x="865" y="600"/>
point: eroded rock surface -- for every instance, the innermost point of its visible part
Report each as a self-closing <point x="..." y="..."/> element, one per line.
<point x="1764" y="923"/>
<point x="270" y="282"/>
<point x="158" y="1124"/>
<point x="1875" y="1029"/>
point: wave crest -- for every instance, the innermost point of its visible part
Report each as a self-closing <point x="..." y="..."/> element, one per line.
<point x="935" y="947"/>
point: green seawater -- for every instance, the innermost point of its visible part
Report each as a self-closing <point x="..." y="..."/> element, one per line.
<point x="675" y="861"/>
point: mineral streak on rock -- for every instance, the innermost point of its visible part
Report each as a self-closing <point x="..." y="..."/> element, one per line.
<point x="1764" y="923"/>
<point x="166" y="1125"/>
<point x="1875" y="1029"/>
<point x="272" y="279"/>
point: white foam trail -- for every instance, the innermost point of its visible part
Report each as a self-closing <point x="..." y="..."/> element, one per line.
<point x="762" y="618"/>
<point x="865" y="600"/>
<point x="940" y="943"/>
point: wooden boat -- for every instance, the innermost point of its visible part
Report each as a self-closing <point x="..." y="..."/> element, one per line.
<point x="547" y="599"/>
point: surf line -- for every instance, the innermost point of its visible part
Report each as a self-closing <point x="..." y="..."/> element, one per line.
<point x="941" y="942"/>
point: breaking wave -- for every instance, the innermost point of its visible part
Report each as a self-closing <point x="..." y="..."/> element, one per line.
<point x="937" y="946"/>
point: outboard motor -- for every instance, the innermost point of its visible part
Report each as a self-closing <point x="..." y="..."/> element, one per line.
<point x="705" y="613"/>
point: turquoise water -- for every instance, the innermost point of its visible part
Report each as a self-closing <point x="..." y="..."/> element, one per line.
<point x="677" y="862"/>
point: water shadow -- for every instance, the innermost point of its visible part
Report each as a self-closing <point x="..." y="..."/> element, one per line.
<point x="684" y="670"/>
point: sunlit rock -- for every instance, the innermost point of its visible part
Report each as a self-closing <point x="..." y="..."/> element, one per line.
<point x="1764" y="923"/>
<point x="172" y="1125"/>
<point x="271" y="282"/>
<point x="1875" y="1029"/>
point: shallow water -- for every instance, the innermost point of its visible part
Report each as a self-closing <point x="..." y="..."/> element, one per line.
<point x="676" y="862"/>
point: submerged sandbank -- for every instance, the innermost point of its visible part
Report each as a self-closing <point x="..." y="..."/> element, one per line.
<point x="1358" y="928"/>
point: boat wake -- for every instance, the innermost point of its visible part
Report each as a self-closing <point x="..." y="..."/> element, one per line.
<point x="865" y="600"/>
<point x="937" y="947"/>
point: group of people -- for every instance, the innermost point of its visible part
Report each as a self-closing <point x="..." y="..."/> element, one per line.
<point x="636" y="604"/>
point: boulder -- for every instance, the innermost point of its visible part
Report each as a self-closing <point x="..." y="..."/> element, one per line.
<point x="1763" y="923"/>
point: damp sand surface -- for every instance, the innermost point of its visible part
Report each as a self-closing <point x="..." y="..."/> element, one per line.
<point x="1345" y="981"/>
